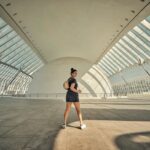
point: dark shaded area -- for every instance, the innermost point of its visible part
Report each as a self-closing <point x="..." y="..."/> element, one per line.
<point x="29" y="124"/>
<point x="116" y="114"/>
<point x="125" y="141"/>
<point x="148" y="104"/>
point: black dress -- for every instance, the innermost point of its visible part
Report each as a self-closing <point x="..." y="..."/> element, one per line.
<point x="70" y="95"/>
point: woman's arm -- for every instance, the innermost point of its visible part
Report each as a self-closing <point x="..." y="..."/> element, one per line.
<point x="73" y="89"/>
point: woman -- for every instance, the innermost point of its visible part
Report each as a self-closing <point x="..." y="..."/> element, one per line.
<point x="72" y="96"/>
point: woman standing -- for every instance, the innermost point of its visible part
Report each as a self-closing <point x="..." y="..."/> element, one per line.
<point x="72" y="96"/>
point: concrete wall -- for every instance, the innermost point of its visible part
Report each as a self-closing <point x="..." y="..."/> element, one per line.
<point x="50" y="78"/>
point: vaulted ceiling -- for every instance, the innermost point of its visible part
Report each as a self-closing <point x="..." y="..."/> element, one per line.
<point x="68" y="28"/>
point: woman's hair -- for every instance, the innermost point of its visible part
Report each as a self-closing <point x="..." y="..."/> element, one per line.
<point x="73" y="70"/>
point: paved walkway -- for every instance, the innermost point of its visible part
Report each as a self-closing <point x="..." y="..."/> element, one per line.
<point x="112" y="125"/>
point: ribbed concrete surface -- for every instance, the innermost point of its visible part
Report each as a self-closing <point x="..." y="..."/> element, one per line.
<point x="112" y="125"/>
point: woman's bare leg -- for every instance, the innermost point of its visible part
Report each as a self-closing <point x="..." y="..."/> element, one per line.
<point x="67" y="111"/>
<point x="77" y="107"/>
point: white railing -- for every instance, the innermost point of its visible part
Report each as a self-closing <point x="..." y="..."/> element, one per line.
<point x="60" y="95"/>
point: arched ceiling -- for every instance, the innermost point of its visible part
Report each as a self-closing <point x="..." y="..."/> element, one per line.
<point x="68" y="28"/>
<point x="71" y="33"/>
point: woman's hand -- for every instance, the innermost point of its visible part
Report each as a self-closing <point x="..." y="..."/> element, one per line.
<point x="79" y="91"/>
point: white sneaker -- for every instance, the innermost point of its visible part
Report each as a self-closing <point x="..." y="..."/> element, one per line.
<point x="63" y="126"/>
<point x="83" y="126"/>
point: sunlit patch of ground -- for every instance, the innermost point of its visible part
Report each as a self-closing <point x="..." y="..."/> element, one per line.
<point x="99" y="135"/>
